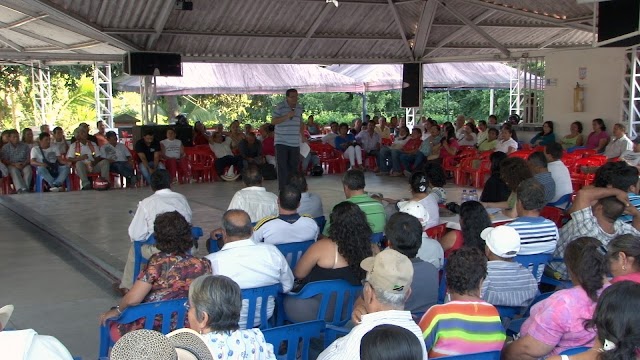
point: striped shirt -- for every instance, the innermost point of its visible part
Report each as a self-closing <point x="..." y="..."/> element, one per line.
<point x="462" y="327"/>
<point x="537" y="235"/>
<point x="373" y="209"/>
<point x="546" y="180"/>
<point x="348" y="346"/>
<point x="288" y="132"/>
<point x="508" y="283"/>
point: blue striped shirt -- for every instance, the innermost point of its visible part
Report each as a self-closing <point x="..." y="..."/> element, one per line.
<point x="288" y="132"/>
<point x="537" y="235"/>
<point x="508" y="284"/>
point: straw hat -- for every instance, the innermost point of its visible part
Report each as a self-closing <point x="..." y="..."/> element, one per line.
<point x="182" y="344"/>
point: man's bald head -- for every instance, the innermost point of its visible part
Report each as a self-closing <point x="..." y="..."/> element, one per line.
<point x="236" y="225"/>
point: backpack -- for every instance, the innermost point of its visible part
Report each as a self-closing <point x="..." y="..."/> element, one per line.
<point x="317" y="170"/>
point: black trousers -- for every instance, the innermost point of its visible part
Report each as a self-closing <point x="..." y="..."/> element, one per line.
<point x="288" y="162"/>
<point x="228" y="160"/>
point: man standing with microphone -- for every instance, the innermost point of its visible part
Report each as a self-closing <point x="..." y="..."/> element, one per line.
<point x="289" y="131"/>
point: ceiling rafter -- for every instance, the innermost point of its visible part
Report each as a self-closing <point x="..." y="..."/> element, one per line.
<point x="531" y="15"/>
<point x="460" y="31"/>
<point x="424" y="28"/>
<point x="312" y="29"/>
<point x="44" y="39"/>
<point x="559" y="35"/>
<point x="21" y="22"/>
<point x="475" y="27"/>
<point x="501" y="25"/>
<point x="161" y="21"/>
<point x="67" y="21"/>
<point x="11" y="44"/>
<point x="398" y="22"/>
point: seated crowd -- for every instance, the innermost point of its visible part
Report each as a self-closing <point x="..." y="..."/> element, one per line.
<point x="425" y="297"/>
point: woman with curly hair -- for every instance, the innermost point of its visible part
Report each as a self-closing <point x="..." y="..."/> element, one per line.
<point x="167" y="275"/>
<point x="476" y="322"/>
<point x="336" y="257"/>
<point x="557" y="323"/>
<point x="616" y="322"/>
<point x="473" y="219"/>
<point x="513" y="171"/>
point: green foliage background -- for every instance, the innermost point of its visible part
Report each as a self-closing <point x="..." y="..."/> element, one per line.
<point x="73" y="102"/>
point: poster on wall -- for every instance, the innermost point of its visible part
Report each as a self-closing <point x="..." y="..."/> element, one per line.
<point x="582" y="73"/>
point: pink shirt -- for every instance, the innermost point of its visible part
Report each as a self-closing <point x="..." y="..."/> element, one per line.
<point x="594" y="139"/>
<point x="635" y="277"/>
<point x="559" y="320"/>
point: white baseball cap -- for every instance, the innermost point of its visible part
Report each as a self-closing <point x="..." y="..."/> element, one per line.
<point x="504" y="241"/>
<point x="5" y="315"/>
<point x="416" y="210"/>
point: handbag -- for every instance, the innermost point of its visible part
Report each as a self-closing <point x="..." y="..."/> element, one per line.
<point x="52" y="167"/>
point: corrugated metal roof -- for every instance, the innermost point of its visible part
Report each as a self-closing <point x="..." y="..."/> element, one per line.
<point x="289" y="31"/>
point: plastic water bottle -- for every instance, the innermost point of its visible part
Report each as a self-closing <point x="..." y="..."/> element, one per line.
<point x="473" y="196"/>
<point x="464" y="197"/>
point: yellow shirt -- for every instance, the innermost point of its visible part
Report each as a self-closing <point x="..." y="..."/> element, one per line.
<point x="384" y="134"/>
<point x="487" y="145"/>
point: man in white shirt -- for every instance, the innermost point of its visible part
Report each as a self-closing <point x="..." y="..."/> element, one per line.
<point x="221" y="148"/>
<point x="119" y="157"/>
<point x="619" y="142"/>
<point x="288" y="226"/>
<point x="310" y="203"/>
<point x="330" y="138"/>
<point x="49" y="163"/>
<point x="85" y="156"/>
<point x="254" y="198"/>
<point x="163" y="200"/>
<point x="459" y="126"/>
<point x="386" y="287"/>
<point x="248" y="263"/>
<point x="632" y="157"/>
<point x="382" y="129"/>
<point x="559" y="171"/>
<point x="58" y="140"/>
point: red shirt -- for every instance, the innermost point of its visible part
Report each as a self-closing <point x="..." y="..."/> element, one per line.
<point x="412" y="144"/>
<point x="200" y="139"/>
<point x="268" y="146"/>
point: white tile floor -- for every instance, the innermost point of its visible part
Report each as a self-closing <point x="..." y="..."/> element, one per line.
<point x="57" y="294"/>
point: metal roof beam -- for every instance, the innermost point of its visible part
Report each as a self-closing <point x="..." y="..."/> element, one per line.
<point x="559" y="35"/>
<point x="312" y="29"/>
<point x="460" y="31"/>
<point x="531" y="15"/>
<point x="67" y="21"/>
<point x="161" y="21"/>
<point x="21" y="22"/>
<point x="398" y="21"/>
<point x="424" y="28"/>
<point x="502" y="25"/>
<point x="251" y="35"/>
<point x="49" y="56"/>
<point x="475" y="27"/>
<point x="11" y="44"/>
<point x="59" y="45"/>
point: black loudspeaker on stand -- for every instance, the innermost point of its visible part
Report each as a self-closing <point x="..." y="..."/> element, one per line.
<point x="617" y="18"/>
<point x="412" y="85"/>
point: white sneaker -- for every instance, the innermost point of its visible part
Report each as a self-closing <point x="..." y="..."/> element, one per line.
<point x="54" y="189"/>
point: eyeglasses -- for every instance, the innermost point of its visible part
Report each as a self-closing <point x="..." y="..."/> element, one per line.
<point x="186" y="305"/>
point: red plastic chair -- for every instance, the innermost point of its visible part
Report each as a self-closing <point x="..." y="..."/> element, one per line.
<point x="554" y="214"/>
<point x="201" y="163"/>
<point x="329" y="157"/>
<point x="461" y="172"/>
<point x="584" y="152"/>
<point x="478" y="175"/>
<point x="6" y="185"/>
<point x="523" y="154"/>
<point x="436" y="232"/>
<point x="387" y="142"/>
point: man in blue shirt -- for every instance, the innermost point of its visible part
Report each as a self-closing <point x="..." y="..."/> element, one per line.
<point x="289" y="131"/>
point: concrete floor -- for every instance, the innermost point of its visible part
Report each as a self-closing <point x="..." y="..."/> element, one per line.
<point x="61" y="251"/>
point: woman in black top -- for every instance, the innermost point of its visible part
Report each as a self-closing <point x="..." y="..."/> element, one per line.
<point x="495" y="189"/>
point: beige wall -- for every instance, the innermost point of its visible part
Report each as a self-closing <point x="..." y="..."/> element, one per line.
<point x="603" y="87"/>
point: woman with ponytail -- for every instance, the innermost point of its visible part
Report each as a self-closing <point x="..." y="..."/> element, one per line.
<point x="557" y="323"/>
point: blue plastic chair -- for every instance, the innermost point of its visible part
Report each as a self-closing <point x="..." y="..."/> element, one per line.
<point x="376" y="238"/>
<point x="575" y="351"/>
<point x="562" y="284"/>
<point x="331" y="333"/>
<point x="321" y="221"/>
<point x="212" y="245"/>
<point x="489" y="355"/>
<point x="251" y="296"/>
<point x="535" y="263"/>
<point x="343" y="292"/>
<point x="574" y="148"/>
<point x="148" y="311"/>
<point x="293" y="335"/>
<point x="294" y="251"/>
<point x="139" y="260"/>
<point x="442" y="288"/>
<point x="508" y="312"/>
<point x="564" y="199"/>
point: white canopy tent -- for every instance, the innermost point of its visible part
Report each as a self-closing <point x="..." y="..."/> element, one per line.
<point x="485" y="75"/>
<point x="207" y="78"/>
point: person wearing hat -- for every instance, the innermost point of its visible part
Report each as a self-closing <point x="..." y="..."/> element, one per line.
<point x="27" y="344"/>
<point x="181" y="344"/>
<point x="430" y="249"/>
<point x="508" y="283"/>
<point x="385" y="289"/>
